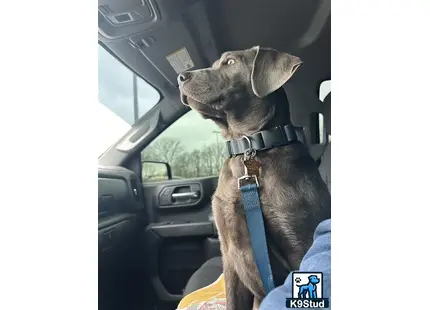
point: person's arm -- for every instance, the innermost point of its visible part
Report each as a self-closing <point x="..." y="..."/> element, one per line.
<point x="317" y="259"/>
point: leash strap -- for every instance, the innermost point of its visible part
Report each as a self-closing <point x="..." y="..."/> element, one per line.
<point x="254" y="218"/>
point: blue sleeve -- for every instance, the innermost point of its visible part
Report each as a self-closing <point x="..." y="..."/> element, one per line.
<point x="318" y="258"/>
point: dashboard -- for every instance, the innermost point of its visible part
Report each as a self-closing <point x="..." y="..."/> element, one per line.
<point x="119" y="202"/>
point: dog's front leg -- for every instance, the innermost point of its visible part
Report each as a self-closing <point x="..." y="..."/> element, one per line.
<point x="238" y="296"/>
<point x="257" y="303"/>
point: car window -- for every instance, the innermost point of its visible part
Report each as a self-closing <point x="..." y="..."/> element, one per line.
<point x="192" y="146"/>
<point x="325" y="89"/>
<point x="123" y="99"/>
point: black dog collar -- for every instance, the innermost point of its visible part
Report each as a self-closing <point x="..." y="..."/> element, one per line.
<point x="263" y="140"/>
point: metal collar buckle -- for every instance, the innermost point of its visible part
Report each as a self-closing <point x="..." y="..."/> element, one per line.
<point x="250" y="152"/>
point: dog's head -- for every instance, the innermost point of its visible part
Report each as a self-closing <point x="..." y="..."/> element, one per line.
<point x="235" y="91"/>
<point x="314" y="279"/>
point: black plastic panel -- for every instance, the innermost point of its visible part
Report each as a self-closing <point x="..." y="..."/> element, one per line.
<point x="113" y="236"/>
<point x="111" y="192"/>
<point x="109" y="236"/>
<point x="119" y="191"/>
<point x="203" y="229"/>
<point x="120" y="199"/>
<point x="212" y="248"/>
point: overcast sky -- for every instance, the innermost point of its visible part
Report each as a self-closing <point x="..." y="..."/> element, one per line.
<point x="116" y="93"/>
<point x="116" y="88"/>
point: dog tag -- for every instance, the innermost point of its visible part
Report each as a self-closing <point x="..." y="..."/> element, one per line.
<point x="252" y="167"/>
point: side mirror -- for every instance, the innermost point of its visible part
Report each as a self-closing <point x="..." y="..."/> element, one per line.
<point x="153" y="171"/>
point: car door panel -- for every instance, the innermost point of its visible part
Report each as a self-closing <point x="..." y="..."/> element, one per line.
<point x="181" y="232"/>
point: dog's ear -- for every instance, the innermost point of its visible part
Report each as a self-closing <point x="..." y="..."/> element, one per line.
<point x="271" y="69"/>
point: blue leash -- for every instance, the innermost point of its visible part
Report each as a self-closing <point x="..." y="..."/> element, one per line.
<point x="254" y="218"/>
<point x="249" y="187"/>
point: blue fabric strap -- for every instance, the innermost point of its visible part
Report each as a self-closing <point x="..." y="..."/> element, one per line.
<point x="254" y="218"/>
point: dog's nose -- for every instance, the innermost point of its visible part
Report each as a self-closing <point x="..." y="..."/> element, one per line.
<point x="184" y="76"/>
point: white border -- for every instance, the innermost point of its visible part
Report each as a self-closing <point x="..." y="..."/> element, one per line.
<point x="48" y="156"/>
<point x="380" y="167"/>
<point x="380" y="174"/>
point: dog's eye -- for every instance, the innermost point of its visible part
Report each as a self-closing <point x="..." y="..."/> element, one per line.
<point x="230" y="61"/>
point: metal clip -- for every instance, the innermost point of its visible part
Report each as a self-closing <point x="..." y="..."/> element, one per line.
<point x="248" y="158"/>
<point x="246" y="179"/>
<point x="250" y="152"/>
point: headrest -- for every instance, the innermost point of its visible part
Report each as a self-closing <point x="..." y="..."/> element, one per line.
<point x="326" y="111"/>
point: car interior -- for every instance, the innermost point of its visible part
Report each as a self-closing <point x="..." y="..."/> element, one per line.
<point x="157" y="240"/>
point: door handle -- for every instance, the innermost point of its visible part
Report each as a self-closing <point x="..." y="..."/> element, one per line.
<point x="186" y="195"/>
<point x="181" y="195"/>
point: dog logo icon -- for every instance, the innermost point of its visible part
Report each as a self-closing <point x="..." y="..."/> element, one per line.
<point x="307" y="291"/>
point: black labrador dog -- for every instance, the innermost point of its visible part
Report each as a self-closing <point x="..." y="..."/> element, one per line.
<point x="242" y="93"/>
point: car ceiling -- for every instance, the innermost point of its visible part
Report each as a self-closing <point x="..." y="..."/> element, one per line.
<point x="208" y="28"/>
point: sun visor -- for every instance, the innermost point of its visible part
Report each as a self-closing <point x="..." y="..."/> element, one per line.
<point x="172" y="38"/>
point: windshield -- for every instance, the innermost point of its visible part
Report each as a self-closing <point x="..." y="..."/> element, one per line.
<point x="123" y="99"/>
